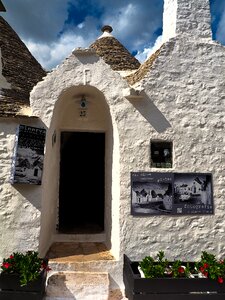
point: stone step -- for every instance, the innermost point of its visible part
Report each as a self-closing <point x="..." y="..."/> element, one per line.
<point x="77" y="285"/>
<point x="80" y="257"/>
<point x="83" y="266"/>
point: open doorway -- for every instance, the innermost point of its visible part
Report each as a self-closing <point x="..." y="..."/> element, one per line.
<point x="82" y="182"/>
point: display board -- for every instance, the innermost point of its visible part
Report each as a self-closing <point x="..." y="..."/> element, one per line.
<point x="171" y="193"/>
<point x="27" y="162"/>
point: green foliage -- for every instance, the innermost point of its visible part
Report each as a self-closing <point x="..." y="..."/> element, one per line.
<point x="154" y="268"/>
<point x="207" y="267"/>
<point x="28" y="266"/>
<point x="210" y="267"/>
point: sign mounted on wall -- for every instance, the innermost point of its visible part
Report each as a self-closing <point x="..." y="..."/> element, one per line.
<point x="171" y="193"/>
<point x="27" y="164"/>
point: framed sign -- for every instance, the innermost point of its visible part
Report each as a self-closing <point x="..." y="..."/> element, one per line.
<point x="27" y="162"/>
<point x="171" y="193"/>
<point x="151" y="193"/>
<point x="193" y="193"/>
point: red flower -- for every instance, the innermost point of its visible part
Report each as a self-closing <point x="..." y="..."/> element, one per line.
<point x="45" y="266"/>
<point x="205" y="274"/>
<point x="206" y="265"/>
<point x="220" y="279"/>
<point x="181" y="270"/>
<point x="6" y="265"/>
<point x="48" y="268"/>
<point x="11" y="257"/>
<point x="202" y="269"/>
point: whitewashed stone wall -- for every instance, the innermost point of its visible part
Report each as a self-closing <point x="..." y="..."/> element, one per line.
<point x="186" y="84"/>
<point x="184" y="103"/>
<point x="54" y="101"/>
<point x="20" y="206"/>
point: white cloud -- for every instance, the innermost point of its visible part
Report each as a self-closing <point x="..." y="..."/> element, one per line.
<point x="51" y="54"/>
<point x="42" y="20"/>
<point x="147" y="52"/>
<point x="47" y="29"/>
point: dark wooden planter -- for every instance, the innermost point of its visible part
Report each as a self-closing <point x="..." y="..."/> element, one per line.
<point x="10" y="287"/>
<point x="137" y="288"/>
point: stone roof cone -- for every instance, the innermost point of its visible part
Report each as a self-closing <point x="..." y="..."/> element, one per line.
<point x="113" y="52"/>
<point x="186" y="17"/>
<point x="2" y="7"/>
<point x="20" y="70"/>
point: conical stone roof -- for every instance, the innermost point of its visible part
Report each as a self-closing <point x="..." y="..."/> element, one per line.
<point x="113" y="52"/>
<point x="20" y="69"/>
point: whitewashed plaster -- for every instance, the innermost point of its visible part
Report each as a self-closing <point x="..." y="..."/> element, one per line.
<point x="185" y="90"/>
<point x="56" y="102"/>
<point x="183" y="102"/>
<point x="20" y="205"/>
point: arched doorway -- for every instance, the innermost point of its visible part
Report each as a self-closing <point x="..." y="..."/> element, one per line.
<point x="78" y="190"/>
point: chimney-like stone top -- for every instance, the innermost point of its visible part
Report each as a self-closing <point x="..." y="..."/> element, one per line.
<point x="186" y="17"/>
<point x="106" y="29"/>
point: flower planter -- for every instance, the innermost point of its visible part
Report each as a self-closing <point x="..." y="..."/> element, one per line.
<point x="10" y="287"/>
<point x="137" y="288"/>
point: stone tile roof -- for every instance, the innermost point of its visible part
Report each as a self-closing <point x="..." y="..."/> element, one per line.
<point x="20" y="69"/>
<point x="143" y="70"/>
<point x="2" y="7"/>
<point x="114" y="53"/>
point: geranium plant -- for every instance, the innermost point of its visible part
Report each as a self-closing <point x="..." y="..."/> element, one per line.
<point x="28" y="266"/>
<point x="207" y="267"/>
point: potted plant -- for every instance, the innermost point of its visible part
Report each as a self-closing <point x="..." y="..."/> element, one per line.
<point x="23" y="276"/>
<point x="159" y="279"/>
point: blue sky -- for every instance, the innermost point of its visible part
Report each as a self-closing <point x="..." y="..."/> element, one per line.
<point x="53" y="28"/>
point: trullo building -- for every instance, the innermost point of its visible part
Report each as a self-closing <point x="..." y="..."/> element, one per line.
<point x="133" y="158"/>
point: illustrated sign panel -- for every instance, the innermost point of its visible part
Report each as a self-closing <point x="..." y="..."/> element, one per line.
<point x="171" y="193"/>
<point x="27" y="164"/>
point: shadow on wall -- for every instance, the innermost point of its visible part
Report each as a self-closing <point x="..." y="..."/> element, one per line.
<point x="116" y="293"/>
<point x="56" y="287"/>
<point x="151" y="113"/>
<point x="31" y="193"/>
<point x="86" y="59"/>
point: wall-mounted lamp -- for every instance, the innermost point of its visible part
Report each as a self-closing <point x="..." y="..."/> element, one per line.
<point x="83" y="102"/>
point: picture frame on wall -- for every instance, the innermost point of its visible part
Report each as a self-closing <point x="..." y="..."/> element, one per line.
<point x="171" y="193"/>
<point x="151" y="193"/>
<point x="28" y="157"/>
<point x="193" y="193"/>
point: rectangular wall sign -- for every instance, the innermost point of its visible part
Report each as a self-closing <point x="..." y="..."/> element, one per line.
<point x="27" y="164"/>
<point x="171" y="193"/>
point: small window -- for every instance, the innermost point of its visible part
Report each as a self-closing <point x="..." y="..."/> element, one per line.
<point x="161" y="154"/>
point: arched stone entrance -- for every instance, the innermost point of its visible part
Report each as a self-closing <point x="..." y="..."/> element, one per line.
<point x="77" y="179"/>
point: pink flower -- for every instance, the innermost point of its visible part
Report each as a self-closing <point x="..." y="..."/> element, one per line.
<point x="11" y="257"/>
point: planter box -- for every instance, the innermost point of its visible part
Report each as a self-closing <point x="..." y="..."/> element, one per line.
<point x="137" y="288"/>
<point x="10" y="287"/>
